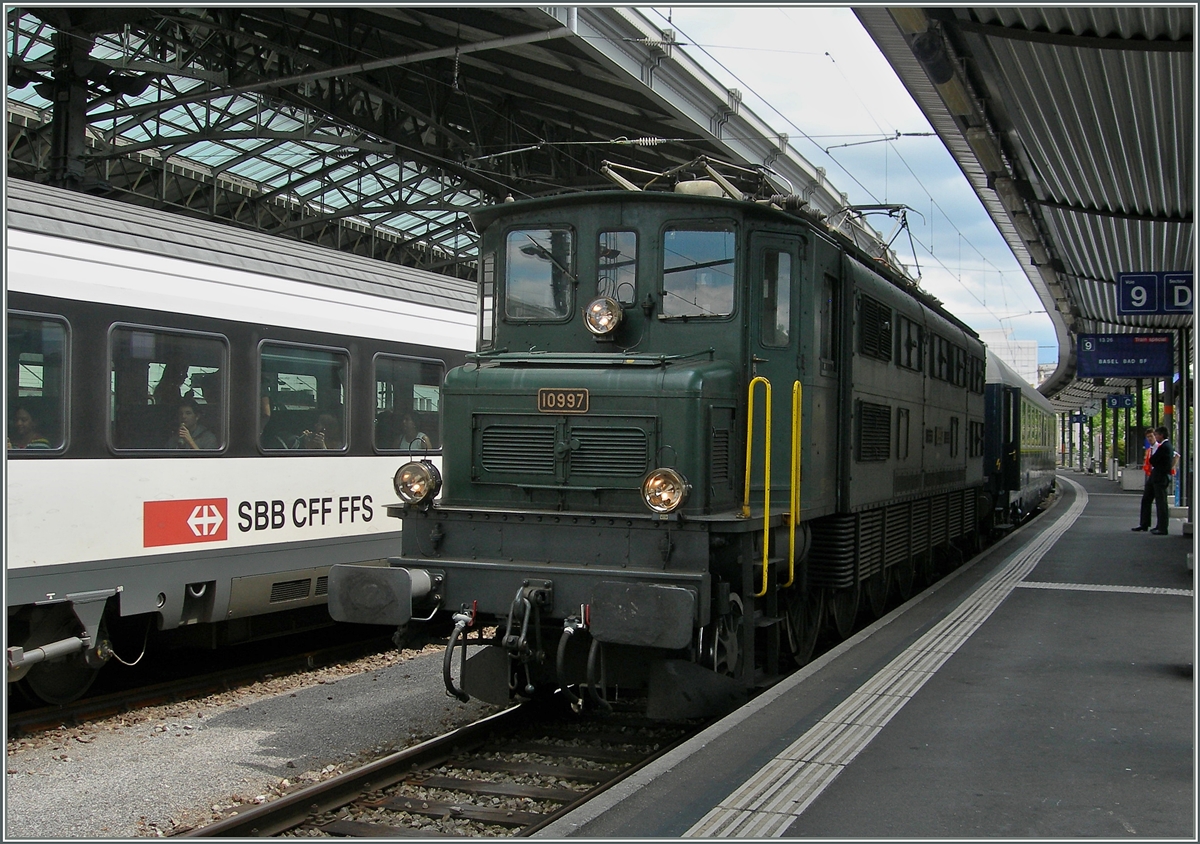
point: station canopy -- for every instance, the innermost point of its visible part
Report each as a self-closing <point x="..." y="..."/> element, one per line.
<point x="372" y="129"/>
<point x="1076" y="128"/>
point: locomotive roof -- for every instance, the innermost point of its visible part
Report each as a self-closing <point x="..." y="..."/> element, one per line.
<point x="483" y="217"/>
<point x="42" y="209"/>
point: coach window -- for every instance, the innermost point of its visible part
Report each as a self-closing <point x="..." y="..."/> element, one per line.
<point x="160" y="380"/>
<point x="698" y="271"/>
<point x="777" y="298"/>
<point x="37" y="392"/>
<point x="305" y="390"/>
<point x="539" y="278"/>
<point x="616" y="264"/>
<point x="408" y="404"/>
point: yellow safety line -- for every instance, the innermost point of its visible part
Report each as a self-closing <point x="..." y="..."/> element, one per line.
<point x="766" y="471"/>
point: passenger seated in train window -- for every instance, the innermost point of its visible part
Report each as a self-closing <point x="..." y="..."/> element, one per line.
<point x="326" y="433"/>
<point x="411" y="438"/>
<point x="25" y="431"/>
<point x="190" y="433"/>
<point x="268" y="431"/>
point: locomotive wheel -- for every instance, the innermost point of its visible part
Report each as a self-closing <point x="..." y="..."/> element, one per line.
<point x="904" y="575"/>
<point x="727" y="640"/>
<point x="58" y="682"/>
<point x="875" y="590"/>
<point x="843" y="610"/>
<point x="804" y="614"/>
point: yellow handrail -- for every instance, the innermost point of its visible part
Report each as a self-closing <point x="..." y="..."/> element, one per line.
<point x="766" y="470"/>
<point x="794" y="503"/>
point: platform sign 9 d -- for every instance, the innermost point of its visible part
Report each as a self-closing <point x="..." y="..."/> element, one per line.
<point x="1154" y="294"/>
<point x="1125" y="356"/>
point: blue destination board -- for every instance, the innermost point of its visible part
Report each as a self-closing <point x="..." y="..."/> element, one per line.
<point x="1154" y="294"/>
<point x="1125" y="356"/>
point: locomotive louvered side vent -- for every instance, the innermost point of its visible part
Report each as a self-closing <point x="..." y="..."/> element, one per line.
<point x="289" y="590"/>
<point x="322" y="586"/>
<point x="520" y="449"/>
<point x="619" y="452"/>
<point x="897" y="526"/>
<point x="875" y="329"/>
<point x="874" y="432"/>
<point x="870" y="543"/>
<point x="831" y="560"/>
<point x="720" y="456"/>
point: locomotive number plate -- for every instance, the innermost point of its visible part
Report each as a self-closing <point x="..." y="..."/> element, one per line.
<point x="560" y="400"/>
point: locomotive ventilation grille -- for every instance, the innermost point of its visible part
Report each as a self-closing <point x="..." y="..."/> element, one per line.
<point x="525" y="449"/>
<point x="533" y="450"/>
<point x="609" y="451"/>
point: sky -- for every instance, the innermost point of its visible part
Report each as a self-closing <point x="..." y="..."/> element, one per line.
<point x="814" y="73"/>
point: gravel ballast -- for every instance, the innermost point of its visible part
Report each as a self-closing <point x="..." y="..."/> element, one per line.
<point x="162" y="770"/>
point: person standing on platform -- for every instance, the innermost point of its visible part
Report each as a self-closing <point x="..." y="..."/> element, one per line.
<point x="1161" y="460"/>
<point x="1147" y="488"/>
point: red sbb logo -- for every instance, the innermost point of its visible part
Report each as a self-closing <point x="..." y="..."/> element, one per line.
<point x="184" y="522"/>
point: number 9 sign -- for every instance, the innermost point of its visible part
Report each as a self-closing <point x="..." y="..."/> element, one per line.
<point x="1138" y="294"/>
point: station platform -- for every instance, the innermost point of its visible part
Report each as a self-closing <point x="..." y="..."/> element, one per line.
<point x="1042" y="690"/>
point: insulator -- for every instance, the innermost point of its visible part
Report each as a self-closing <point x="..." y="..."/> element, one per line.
<point x="790" y="201"/>
<point x="647" y="142"/>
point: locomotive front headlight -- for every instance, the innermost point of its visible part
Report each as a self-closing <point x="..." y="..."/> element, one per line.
<point x="417" y="482"/>
<point x="603" y="315"/>
<point x="664" y="490"/>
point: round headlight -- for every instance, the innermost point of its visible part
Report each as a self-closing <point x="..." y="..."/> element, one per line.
<point x="603" y="315"/>
<point x="417" y="482"/>
<point x="664" y="490"/>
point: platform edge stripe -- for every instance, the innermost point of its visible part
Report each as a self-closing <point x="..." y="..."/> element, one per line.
<point x="751" y="793"/>
<point x="716" y="823"/>
<point x="809" y="781"/>
<point x="814" y="745"/>
<point x="891" y="681"/>
<point x="1100" y="587"/>
<point x="847" y="745"/>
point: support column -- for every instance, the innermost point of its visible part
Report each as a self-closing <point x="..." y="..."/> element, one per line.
<point x="68" y="130"/>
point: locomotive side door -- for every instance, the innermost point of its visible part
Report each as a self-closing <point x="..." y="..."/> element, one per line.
<point x="781" y="346"/>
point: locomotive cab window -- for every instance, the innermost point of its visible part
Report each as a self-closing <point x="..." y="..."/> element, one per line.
<point x="37" y="393"/>
<point x="303" y="398"/>
<point x="777" y="298"/>
<point x="616" y="264"/>
<point x="167" y="390"/>
<point x="408" y="404"/>
<point x="540" y="279"/>
<point x="698" y="273"/>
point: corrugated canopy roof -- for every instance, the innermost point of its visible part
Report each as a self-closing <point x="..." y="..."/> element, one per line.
<point x="1075" y="126"/>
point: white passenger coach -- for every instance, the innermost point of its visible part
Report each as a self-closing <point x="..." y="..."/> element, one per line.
<point x="303" y="377"/>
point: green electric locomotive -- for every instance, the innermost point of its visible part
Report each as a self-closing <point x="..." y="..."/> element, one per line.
<point x="701" y="426"/>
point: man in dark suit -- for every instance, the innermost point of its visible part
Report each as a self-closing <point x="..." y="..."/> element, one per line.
<point x="1156" y="484"/>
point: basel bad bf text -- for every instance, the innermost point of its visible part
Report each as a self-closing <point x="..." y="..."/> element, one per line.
<point x="304" y="512"/>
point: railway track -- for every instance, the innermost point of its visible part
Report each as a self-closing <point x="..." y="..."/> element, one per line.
<point x="34" y="720"/>
<point x="507" y="775"/>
